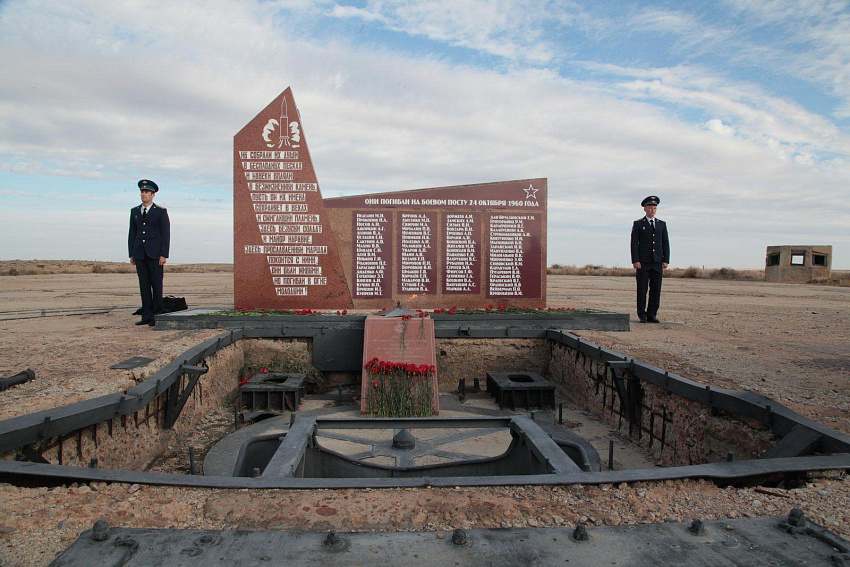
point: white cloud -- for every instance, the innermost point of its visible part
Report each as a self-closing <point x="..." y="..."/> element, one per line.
<point x="717" y="126"/>
<point x="692" y="33"/>
<point x="755" y="113"/>
<point x="513" y="29"/>
<point x="360" y="13"/>
<point x="805" y="39"/>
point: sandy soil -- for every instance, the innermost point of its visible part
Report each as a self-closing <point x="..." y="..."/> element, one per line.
<point x="789" y="342"/>
<point x="70" y="328"/>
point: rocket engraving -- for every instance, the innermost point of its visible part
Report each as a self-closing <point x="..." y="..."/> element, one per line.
<point x="284" y="125"/>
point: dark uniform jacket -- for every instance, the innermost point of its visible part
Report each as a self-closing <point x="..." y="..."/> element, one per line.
<point x="149" y="237"/>
<point x="650" y="246"/>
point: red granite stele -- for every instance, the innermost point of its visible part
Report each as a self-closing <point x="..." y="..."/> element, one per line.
<point x="285" y="255"/>
<point x="397" y="340"/>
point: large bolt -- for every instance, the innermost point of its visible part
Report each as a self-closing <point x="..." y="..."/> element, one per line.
<point x="697" y="528"/>
<point x="404" y="440"/>
<point x="100" y="531"/>
<point x="207" y="539"/>
<point x="796" y="518"/>
<point x="334" y="543"/>
<point x="459" y="537"/>
<point x="580" y="533"/>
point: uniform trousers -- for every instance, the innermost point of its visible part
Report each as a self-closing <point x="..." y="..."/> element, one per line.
<point x="150" y="286"/>
<point x="649" y="277"/>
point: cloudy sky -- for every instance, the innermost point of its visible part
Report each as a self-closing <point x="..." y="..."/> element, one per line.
<point x="736" y="113"/>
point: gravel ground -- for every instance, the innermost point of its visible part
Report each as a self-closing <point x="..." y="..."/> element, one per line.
<point x="789" y="342"/>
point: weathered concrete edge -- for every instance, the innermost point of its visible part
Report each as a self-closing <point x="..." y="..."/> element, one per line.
<point x="590" y="320"/>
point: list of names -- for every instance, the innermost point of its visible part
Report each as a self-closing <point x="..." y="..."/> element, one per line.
<point x="461" y="253"/>
<point x="417" y="253"/>
<point x="372" y="237"/>
<point x="510" y="241"/>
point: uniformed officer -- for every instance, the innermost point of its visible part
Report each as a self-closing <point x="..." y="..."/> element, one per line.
<point x="150" y="235"/>
<point x="650" y="257"/>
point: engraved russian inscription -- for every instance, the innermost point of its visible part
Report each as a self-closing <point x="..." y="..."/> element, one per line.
<point x="513" y="266"/>
<point x="465" y="245"/>
<point x="417" y="253"/>
<point x="461" y="253"/>
<point x="372" y="241"/>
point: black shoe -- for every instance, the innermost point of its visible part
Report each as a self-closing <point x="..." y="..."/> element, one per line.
<point x="642" y="319"/>
<point x="143" y="322"/>
<point x="652" y="320"/>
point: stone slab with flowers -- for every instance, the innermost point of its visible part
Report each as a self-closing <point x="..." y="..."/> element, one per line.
<point x="399" y="366"/>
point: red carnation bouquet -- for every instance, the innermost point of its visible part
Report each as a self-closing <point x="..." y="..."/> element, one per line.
<point x="400" y="389"/>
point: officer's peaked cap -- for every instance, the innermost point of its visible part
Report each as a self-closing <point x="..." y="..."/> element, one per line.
<point x="149" y="185"/>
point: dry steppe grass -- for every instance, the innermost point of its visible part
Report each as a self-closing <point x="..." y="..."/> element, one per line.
<point x="839" y="278"/>
<point x="46" y="267"/>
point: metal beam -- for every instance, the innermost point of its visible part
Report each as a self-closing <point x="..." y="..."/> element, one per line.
<point x="799" y="441"/>
<point x="175" y="405"/>
<point x="413" y="423"/>
<point x="735" y="472"/>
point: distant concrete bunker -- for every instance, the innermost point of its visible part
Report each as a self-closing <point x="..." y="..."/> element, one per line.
<point x="798" y="263"/>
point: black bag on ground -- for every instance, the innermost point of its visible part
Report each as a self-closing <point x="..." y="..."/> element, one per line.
<point x="171" y="304"/>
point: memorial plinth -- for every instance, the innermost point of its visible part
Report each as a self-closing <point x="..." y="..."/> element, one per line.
<point x="399" y="340"/>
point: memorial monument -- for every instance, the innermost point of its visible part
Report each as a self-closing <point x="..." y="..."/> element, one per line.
<point x="468" y="245"/>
